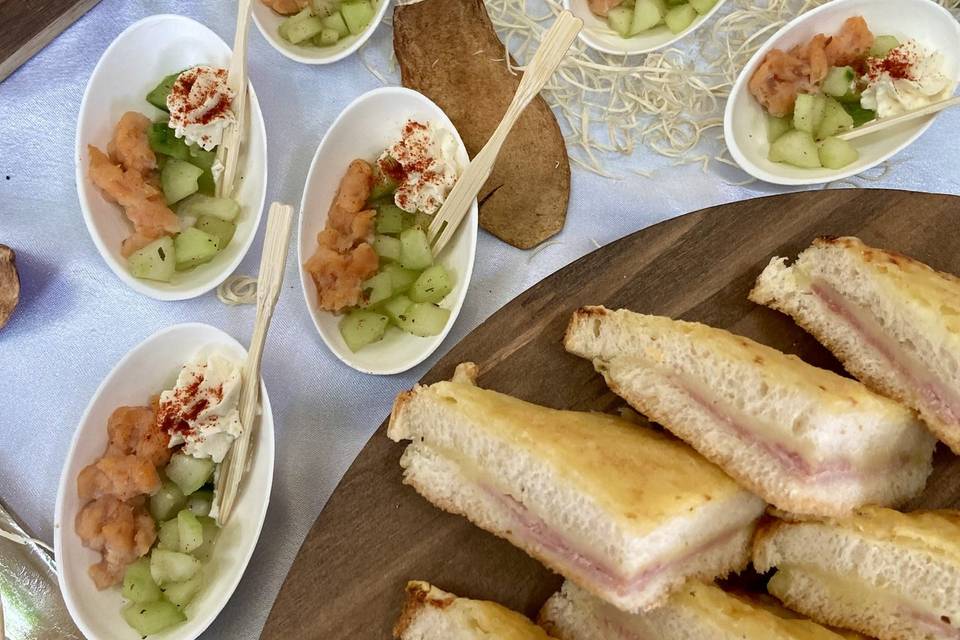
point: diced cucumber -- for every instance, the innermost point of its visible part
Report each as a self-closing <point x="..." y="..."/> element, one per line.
<point x="836" y="153"/>
<point x="797" y="148"/>
<point x="400" y="278"/>
<point x="204" y="159"/>
<point x="181" y="593"/>
<point x="324" y="8"/>
<point x="360" y="328"/>
<point x="217" y="227"/>
<point x="776" y="127"/>
<point x="210" y="533"/>
<point x="190" y="531"/>
<point x="680" y="18"/>
<point x="646" y="15"/>
<point x="396" y="307"/>
<point x="703" y="6"/>
<point x="163" y="140"/>
<point x="415" y="250"/>
<point x="189" y="473"/>
<point x="424" y="319"/>
<point x="377" y="289"/>
<point x="808" y="112"/>
<point x="158" y="95"/>
<point x="166" y="502"/>
<point x="200" y="205"/>
<point x="357" y="14"/>
<point x="326" y="38"/>
<point x="148" y="618"/>
<point x="300" y="27"/>
<point x="179" y="180"/>
<point x="194" y="247"/>
<point x="620" y="19"/>
<point x="200" y="502"/>
<point x="138" y="584"/>
<point x="156" y="261"/>
<point x="389" y="219"/>
<point x="168" y="535"/>
<point x="859" y="114"/>
<point x="172" y="566"/>
<point x="433" y="285"/>
<point x="839" y="81"/>
<point x="335" y="22"/>
<point x="835" y="120"/>
<point x="387" y="247"/>
<point x="882" y="46"/>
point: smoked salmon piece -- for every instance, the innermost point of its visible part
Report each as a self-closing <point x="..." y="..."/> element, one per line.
<point x="121" y="531"/>
<point x="602" y="7"/>
<point x="120" y="476"/>
<point x="287" y="7"/>
<point x="130" y="146"/>
<point x="851" y="44"/>
<point x="134" y="430"/>
<point x="339" y="276"/>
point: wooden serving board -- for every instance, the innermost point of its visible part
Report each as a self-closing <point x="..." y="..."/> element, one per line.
<point x="28" y="26"/>
<point x="376" y="533"/>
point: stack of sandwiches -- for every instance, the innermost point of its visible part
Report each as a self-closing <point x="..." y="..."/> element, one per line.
<point x="641" y="523"/>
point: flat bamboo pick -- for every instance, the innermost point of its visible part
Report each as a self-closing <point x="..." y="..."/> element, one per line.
<point x="228" y="151"/>
<point x="553" y="49"/>
<point x="272" y="265"/>
<point x="885" y="123"/>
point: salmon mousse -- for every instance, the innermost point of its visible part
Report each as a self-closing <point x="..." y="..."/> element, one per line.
<point x="629" y="18"/>
<point x="149" y="502"/>
<point x="373" y="262"/>
<point x="832" y="84"/>
<point x="323" y="23"/>
<point x="163" y="172"/>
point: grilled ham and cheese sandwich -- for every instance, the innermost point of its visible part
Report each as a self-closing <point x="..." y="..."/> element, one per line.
<point x="625" y="512"/>
<point x="804" y="439"/>
<point x="893" y="322"/>
<point x="890" y="575"/>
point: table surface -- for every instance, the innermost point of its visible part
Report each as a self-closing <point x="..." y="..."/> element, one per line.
<point x="76" y="319"/>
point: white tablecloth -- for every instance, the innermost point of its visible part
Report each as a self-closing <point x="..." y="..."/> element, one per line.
<point x="76" y="319"/>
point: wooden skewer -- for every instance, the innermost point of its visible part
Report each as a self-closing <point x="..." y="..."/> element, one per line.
<point x="228" y="151"/>
<point x="553" y="49"/>
<point x="885" y="123"/>
<point x="272" y="265"/>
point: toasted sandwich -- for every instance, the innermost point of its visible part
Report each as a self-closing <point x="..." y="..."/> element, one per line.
<point x="698" y="611"/>
<point x="893" y="322"/>
<point x="889" y="575"/>
<point x="625" y="512"/>
<point x="804" y="439"/>
<point x="432" y="614"/>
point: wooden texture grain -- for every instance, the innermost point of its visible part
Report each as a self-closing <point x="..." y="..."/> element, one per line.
<point x="449" y="51"/>
<point x="375" y="533"/>
<point x="29" y="26"/>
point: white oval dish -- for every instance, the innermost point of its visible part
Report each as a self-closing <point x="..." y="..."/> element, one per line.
<point x="131" y="66"/>
<point x="370" y="124"/>
<point x="149" y="368"/>
<point x="598" y="35"/>
<point x="268" y="22"/>
<point x="745" y="120"/>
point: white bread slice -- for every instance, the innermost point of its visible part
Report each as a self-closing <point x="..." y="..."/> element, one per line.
<point x="889" y="575"/>
<point x="804" y="439"/>
<point x="698" y="611"/>
<point x="432" y="614"/>
<point x="626" y="512"/>
<point x="893" y="322"/>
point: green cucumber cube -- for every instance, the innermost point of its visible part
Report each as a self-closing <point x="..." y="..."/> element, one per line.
<point x="357" y="14"/>
<point x="148" y="618"/>
<point x="200" y="502"/>
<point x="326" y="38"/>
<point x="166" y="502"/>
<point x="776" y="127"/>
<point x="194" y="247"/>
<point x="396" y="307"/>
<point x="703" y="6"/>
<point x="839" y="81"/>
<point x="181" y="593"/>
<point x="835" y="120"/>
<point x="210" y="533"/>
<point x="300" y="27"/>
<point x="158" y="95"/>
<point x="680" y="18"/>
<point x="190" y="531"/>
<point x="836" y="153"/>
<point x="433" y="285"/>
<point x="200" y="205"/>
<point x="189" y="473"/>
<point x="808" y="112"/>
<point x="377" y="289"/>
<point x="860" y="115"/>
<point x="620" y="19"/>
<point x="387" y="247"/>
<point x="324" y="8"/>
<point x="138" y="584"/>
<point x="797" y="148"/>
<point x="646" y="15"/>
<point x="168" y="535"/>
<point x="415" y="250"/>
<point x="360" y="328"/>
<point x="164" y="141"/>
<point x="172" y="566"/>
<point x="400" y="278"/>
<point x="335" y="22"/>
<point x="389" y="219"/>
<point x="156" y="261"/>
<point x="217" y="227"/>
<point x="179" y="180"/>
<point x="424" y="319"/>
<point x="882" y="46"/>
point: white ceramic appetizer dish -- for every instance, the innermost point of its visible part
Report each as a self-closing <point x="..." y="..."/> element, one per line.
<point x="745" y="120"/>
<point x="370" y="124"/>
<point x="132" y="65"/>
<point x="147" y="369"/>
<point x="598" y="35"/>
<point x="268" y="22"/>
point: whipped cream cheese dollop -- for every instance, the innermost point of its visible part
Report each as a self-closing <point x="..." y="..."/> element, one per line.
<point x="201" y="412"/>
<point x="908" y="78"/>
<point x="200" y="106"/>
<point x="423" y="163"/>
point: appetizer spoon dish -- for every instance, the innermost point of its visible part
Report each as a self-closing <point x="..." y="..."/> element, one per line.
<point x="147" y="369"/>
<point x="131" y="66"/>
<point x="598" y="35"/>
<point x="745" y="121"/>
<point x="370" y="124"/>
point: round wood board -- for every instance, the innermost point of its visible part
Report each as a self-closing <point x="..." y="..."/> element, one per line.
<point x="376" y="533"/>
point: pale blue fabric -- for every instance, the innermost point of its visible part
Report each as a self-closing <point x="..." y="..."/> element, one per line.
<point x="76" y="319"/>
